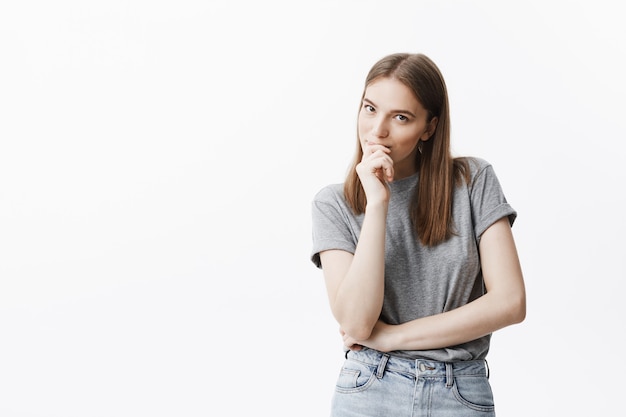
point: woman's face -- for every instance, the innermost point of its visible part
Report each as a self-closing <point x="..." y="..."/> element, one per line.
<point x="391" y="116"/>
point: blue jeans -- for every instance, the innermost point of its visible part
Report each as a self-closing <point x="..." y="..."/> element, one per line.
<point x="375" y="384"/>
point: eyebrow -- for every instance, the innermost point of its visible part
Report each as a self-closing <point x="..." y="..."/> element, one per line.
<point x="366" y="100"/>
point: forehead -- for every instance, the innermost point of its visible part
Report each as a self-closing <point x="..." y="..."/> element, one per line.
<point x="392" y="94"/>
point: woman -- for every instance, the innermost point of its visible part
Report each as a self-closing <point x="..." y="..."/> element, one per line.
<point x="417" y="254"/>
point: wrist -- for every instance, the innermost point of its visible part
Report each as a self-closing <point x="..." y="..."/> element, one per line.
<point x="395" y="338"/>
<point x="377" y="206"/>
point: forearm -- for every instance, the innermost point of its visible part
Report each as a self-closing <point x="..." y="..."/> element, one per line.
<point x="359" y="297"/>
<point x="483" y="316"/>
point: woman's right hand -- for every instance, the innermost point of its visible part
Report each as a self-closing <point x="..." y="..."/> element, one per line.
<point x="375" y="170"/>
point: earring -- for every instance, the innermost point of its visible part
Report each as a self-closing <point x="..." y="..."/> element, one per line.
<point x="419" y="146"/>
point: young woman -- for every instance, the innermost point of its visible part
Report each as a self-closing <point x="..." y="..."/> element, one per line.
<point x="417" y="254"/>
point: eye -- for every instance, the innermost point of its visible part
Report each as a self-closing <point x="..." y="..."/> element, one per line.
<point x="402" y="118"/>
<point x="368" y="108"/>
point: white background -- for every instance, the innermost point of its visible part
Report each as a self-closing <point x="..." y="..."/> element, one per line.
<point x="157" y="163"/>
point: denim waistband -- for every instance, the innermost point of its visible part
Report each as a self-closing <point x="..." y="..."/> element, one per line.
<point x="419" y="367"/>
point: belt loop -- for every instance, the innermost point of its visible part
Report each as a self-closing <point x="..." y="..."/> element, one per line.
<point x="487" y="368"/>
<point x="449" y="375"/>
<point x="381" y="366"/>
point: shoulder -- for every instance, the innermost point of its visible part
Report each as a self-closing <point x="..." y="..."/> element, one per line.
<point x="473" y="163"/>
<point x="329" y="193"/>
<point x="474" y="167"/>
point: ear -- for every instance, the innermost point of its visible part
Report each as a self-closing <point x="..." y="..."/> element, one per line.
<point x="430" y="129"/>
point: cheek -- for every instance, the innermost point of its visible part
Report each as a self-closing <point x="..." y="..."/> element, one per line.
<point x="364" y="123"/>
<point x="408" y="145"/>
<point x="360" y="126"/>
<point x="362" y="133"/>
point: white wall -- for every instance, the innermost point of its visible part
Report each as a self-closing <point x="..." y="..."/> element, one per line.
<point x="157" y="161"/>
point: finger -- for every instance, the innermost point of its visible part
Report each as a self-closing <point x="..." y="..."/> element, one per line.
<point x="389" y="173"/>
<point x="375" y="146"/>
<point x="384" y="165"/>
<point x="371" y="148"/>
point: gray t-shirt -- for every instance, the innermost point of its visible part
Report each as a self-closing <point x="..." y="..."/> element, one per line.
<point x="421" y="281"/>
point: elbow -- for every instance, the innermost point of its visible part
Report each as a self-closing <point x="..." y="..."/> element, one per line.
<point x="357" y="323"/>
<point x="518" y="315"/>
<point x="509" y="306"/>
<point x="360" y="333"/>
<point x="357" y="330"/>
<point x="517" y="310"/>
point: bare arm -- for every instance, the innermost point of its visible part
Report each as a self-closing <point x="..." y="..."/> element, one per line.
<point x="504" y="304"/>
<point x="356" y="283"/>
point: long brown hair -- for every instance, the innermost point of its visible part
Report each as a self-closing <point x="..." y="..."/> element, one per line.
<point x="439" y="172"/>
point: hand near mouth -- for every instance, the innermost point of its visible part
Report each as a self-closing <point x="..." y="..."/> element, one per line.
<point x="375" y="170"/>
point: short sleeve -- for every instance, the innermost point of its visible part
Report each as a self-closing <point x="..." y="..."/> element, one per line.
<point x="488" y="201"/>
<point x="330" y="225"/>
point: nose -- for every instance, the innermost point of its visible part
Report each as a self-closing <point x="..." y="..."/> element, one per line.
<point x="379" y="128"/>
